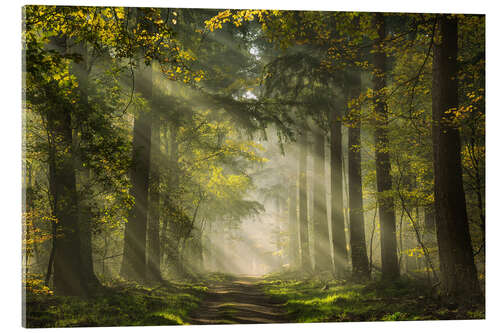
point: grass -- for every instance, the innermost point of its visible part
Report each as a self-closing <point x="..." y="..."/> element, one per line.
<point x="311" y="301"/>
<point x="121" y="304"/>
<point x="306" y="300"/>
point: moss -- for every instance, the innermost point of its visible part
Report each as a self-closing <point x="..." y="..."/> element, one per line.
<point x="315" y="300"/>
<point x="121" y="305"/>
<point x="306" y="300"/>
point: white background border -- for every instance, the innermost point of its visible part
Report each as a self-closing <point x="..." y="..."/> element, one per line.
<point x="10" y="154"/>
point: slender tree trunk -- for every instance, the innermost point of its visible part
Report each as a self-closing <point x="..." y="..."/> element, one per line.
<point x="305" y="256"/>
<point x="278" y="230"/>
<point x="322" y="256"/>
<point x="163" y="241"/>
<point x="359" y="257"/>
<point x="164" y="235"/>
<point x="429" y="223"/>
<point x="458" y="271"/>
<point x="27" y="208"/>
<point x="198" y="252"/>
<point x="153" y="245"/>
<point x="173" y="253"/>
<point x="134" y="250"/>
<point x="292" y="220"/>
<point x="337" y="198"/>
<point x="388" y="243"/>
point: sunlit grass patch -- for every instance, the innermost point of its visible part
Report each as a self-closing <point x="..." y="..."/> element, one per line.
<point x="164" y="318"/>
<point x="317" y="300"/>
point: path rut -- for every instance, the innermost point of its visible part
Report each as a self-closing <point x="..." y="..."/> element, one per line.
<point x="241" y="301"/>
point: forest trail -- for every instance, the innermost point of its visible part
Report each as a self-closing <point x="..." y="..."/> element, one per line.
<point x="241" y="301"/>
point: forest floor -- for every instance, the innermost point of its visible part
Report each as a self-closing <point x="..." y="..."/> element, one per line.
<point x="119" y="303"/>
<point x="326" y="300"/>
<point x="225" y="299"/>
<point x="239" y="300"/>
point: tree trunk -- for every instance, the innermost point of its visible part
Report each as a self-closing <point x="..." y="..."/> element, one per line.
<point x="69" y="276"/>
<point x="359" y="257"/>
<point x="153" y="245"/>
<point x="292" y="220"/>
<point x="429" y="223"/>
<point x="134" y="250"/>
<point x="163" y="240"/>
<point x="337" y="198"/>
<point x="173" y="248"/>
<point x="83" y="176"/>
<point x="305" y="257"/>
<point x="388" y="243"/>
<point x="458" y="272"/>
<point x="164" y="236"/>
<point x="322" y="256"/>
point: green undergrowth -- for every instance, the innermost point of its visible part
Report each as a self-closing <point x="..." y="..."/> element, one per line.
<point x="320" y="300"/>
<point x="118" y="304"/>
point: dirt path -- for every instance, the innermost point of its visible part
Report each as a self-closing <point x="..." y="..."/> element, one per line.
<point x="238" y="302"/>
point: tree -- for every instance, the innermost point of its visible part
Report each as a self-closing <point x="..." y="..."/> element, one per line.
<point x="69" y="278"/>
<point x="292" y="219"/>
<point x="134" y="249"/>
<point x="359" y="258"/>
<point x="388" y="243"/>
<point x="458" y="272"/>
<point x="153" y="230"/>
<point x="337" y="198"/>
<point x="305" y="258"/>
<point x="322" y="257"/>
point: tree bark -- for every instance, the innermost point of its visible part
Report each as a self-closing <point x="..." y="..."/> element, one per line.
<point x="322" y="256"/>
<point x="359" y="257"/>
<point x="68" y="265"/>
<point x="279" y="249"/>
<point x="458" y="272"/>
<point x="165" y="236"/>
<point x="83" y="176"/>
<point x="68" y="277"/>
<point x="153" y="245"/>
<point x="134" y="250"/>
<point x="337" y="198"/>
<point x="292" y="220"/>
<point x="305" y="257"/>
<point x="388" y="243"/>
<point x="173" y="247"/>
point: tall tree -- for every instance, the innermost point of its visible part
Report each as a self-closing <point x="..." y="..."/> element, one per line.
<point x="82" y="72"/>
<point x="337" y="197"/>
<point x="388" y="243"/>
<point x="322" y="256"/>
<point x="172" y="248"/>
<point x="153" y="236"/>
<point x="134" y="248"/>
<point x="292" y="219"/>
<point x="359" y="258"/>
<point x="458" y="272"/>
<point x="69" y="277"/>
<point x="305" y="257"/>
